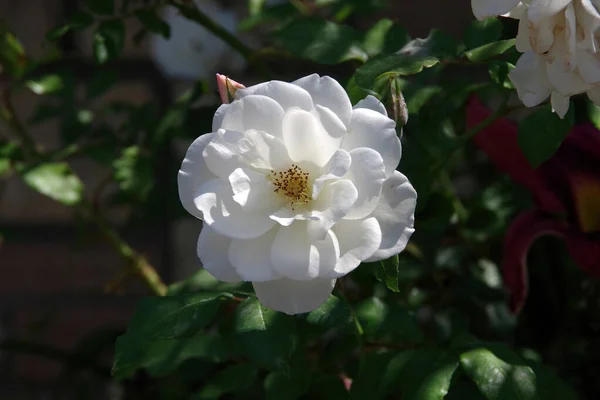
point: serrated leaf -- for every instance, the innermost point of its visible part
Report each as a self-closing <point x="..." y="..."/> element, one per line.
<point x="496" y="379"/>
<point x="378" y="375"/>
<point x="499" y="71"/>
<point x="334" y="313"/>
<point x="266" y="336"/>
<point x="541" y="134"/>
<point x="55" y="180"/>
<point x="489" y="50"/>
<point x="288" y="385"/>
<point x="133" y="171"/>
<point x="109" y="40"/>
<point x="479" y="33"/>
<point x="428" y="374"/>
<point x="387" y="272"/>
<point x="175" y="316"/>
<point x="321" y="41"/>
<point x="411" y="59"/>
<point x="76" y="22"/>
<point x="152" y="22"/>
<point x="384" y="37"/>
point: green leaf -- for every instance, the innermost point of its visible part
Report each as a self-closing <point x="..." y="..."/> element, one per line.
<point x="163" y="356"/>
<point x="57" y="181"/>
<point x="102" y="7"/>
<point x="12" y="55"/>
<point x="496" y="379"/>
<point x="378" y="375"/>
<point x="152" y="22"/>
<point x="255" y="7"/>
<point x="8" y="152"/>
<point x="541" y="134"/>
<point x="414" y="56"/>
<point x="428" y="374"/>
<point x="321" y="41"/>
<point x="387" y="272"/>
<point x="133" y="171"/>
<point x="109" y="40"/>
<point x="594" y="114"/>
<point x="288" y="385"/>
<point x="387" y="323"/>
<point x="480" y="33"/>
<point x="499" y="71"/>
<point x="489" y="50"/>
<point x="384" y="37"/>
<point x="233" y="379"/>
<point x="175" y="316"/>
<point x="76" y="22"/>
<point x="266" y="336"/>
<point x="204" y="281"/>
<point x="47" y="84"/>
<point x="101" y="82"/>
<point x="334" y="313"/>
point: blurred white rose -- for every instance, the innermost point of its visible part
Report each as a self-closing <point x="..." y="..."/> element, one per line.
<point x="296" y="188"/>
<point x="192" y="52"/>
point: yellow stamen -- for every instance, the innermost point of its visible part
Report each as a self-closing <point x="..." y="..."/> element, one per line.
<point x="293" y="184"/>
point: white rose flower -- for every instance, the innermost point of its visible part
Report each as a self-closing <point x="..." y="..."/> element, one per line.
<point x="559" y="40"/>
<point x="192" y="52"/>
<point x="296" y="188"/>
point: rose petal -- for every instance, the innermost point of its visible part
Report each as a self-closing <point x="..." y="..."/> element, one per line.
<point x="212" y="250"/>
<point x="359" y="240"/>
<point x="252" y="257"/>
<point x="294" y="297"/>
<point x="395" y="214"/>
<point x="531" y="79"/>
<point x="327" y="92"/>
<point x="215" y="200"/>
<point x="253" y="112"/>
<point x="193" y="174"/>
<point x="306" y="139"/>
<point x="295" y="256"/>
<point x="372" y="103"/>
<point x="367" y="173"/>
<point x="253" y="191"/>
<point x="286" y="94"/>
<point x="371" y="129"/>
<point x="337" y="166"/>
<point x="334" y="203"/>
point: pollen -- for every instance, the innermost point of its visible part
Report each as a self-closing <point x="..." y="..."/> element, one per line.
<point x="293" y="184"/>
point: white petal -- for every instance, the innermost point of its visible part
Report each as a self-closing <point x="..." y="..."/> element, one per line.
<point x="492" y="8"/>
<point x="253" y="191"/>
<point x="230" y="150"/>
<point x="539" y="10"/>
<point x="295" y="256"/>
<point x="372" y="103"/>
<point x="594" y="95"/>
<point x="331" y="122"/>
<point x="193" y="174"/>
<point x="588" y="66"/>
<point x="253" y="112"/>
<point x="252" y="257"/>
<point x="588" y="20"/>
<point x="541" y="34"/>
<point x="522" y="42"/>
<point x="306" y="139"/>
<point x="212" y="250"/>
<point x="396" y="216"/>
<point x="530" y="79"/>
<point x="286" y="94"/>
<point x="370" y="129"/>
<point x="367" y="172"/>
<point x="560" y="104"/>
<point x="294" y="297"/>
<point x="215" y="200"/>
<point x="334" y="202"/>
<point x="337" y="166"/>
<point x="359" y="240"/>
<point x="327" y="92"/>
<point x="564" y="80"/>
<point x="519" y="12"/>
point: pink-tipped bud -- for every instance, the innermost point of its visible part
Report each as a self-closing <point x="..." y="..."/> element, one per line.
<point x="227" y="88"/>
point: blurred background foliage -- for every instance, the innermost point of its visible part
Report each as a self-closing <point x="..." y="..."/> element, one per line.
<point x="433" y="323"/>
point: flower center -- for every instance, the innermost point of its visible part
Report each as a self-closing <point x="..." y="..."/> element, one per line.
<point x="293" y="184"/>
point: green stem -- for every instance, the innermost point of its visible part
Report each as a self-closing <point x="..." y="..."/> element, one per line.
<point x="9" y="117"/>
<point x="193" y="13"/>
<point x="135" y="262"/>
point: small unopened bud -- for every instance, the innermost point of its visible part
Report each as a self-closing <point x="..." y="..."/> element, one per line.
<point x="227" y="88"/>
<point x="399" y="109"/>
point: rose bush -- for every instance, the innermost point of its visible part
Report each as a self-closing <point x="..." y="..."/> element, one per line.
<point x="296" y="188"/>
